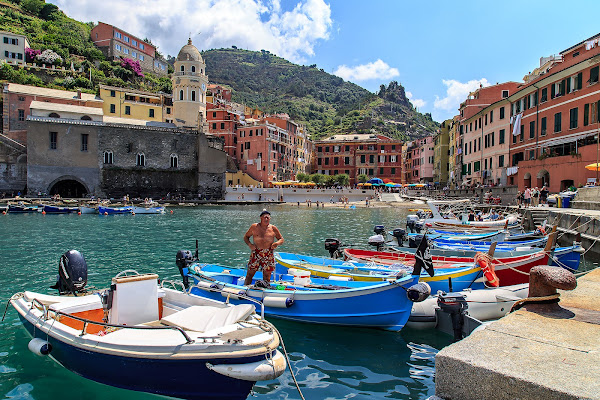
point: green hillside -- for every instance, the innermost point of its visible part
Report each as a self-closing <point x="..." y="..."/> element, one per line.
<point x="324" y="102"/>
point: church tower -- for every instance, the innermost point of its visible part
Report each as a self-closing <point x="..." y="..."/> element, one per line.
<point x="189" y="89"/>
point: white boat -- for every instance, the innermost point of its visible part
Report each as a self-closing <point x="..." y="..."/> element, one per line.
<point x="141" y="336"/>
<point x="88" y="210"/>
<point x="147" y="210"/>
<point x="482" y="304"/>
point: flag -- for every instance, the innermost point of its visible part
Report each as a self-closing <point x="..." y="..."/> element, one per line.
<point x="517" y="126"/>
<point x="423" y="258"/>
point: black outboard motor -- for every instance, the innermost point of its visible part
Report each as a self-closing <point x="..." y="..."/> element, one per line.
<point x="456" y="305"/>
<point x="379" y="229"/>
<point x="72" y="273"/>
<point x="333" y="247"/>
<point x="400" y="235"/>
<point x="418" y="226"/>
<point x="414" y="241"/>
<point x="183" y="259"/>
<point x="377" y="241"/>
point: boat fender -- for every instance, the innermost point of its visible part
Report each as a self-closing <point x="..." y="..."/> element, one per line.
<point x="278" y="302"/>
<point x="418" y="292"/>
<point x="541" y="230"/>
<point x="39" y="346"/>
<point x="232" y="293"/>
<point x="205" y="285"/>
<point x="263" y="370"/>
<point x="484" y="262"/>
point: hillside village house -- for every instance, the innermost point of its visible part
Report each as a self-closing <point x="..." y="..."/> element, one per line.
<point x="136" y="104"/>
<point x="12" y="48"/>
<point x="116" y="43"/>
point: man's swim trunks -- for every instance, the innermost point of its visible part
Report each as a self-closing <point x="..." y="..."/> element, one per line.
<point x="262" y="259"/>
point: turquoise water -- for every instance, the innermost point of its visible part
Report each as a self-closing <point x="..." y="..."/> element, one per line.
<point x="329" y="362"/>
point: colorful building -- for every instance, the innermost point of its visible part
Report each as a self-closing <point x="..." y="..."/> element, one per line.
<point x="483" y="129"/>
<point x="555" y="121"/>
<point x="115" y="43"/>
<point x="355" y="154"/>
<point x="136" y="104"/>
<point x="441" y="153"/>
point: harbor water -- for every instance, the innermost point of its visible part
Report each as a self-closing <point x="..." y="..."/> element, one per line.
<point x="329" y="362"/>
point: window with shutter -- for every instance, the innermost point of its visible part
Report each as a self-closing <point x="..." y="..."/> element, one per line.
<point x="586" y="114"/>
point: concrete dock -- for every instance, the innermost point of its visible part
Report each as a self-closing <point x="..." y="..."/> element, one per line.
<point x="527" y="355"/>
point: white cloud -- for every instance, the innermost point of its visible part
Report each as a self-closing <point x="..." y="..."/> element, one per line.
<point x="456" y="93"/>
<point x="248" y="24"/>
<point x="373" y="70"/>
<point x="418" y="103"/>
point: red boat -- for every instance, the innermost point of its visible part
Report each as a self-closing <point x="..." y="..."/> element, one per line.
<point x="509" y="270"/>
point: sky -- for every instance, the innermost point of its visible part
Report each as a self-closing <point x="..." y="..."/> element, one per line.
<point x="438" y="50"/>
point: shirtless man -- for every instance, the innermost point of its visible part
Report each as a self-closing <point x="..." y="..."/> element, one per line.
<point x="262" y="257"/>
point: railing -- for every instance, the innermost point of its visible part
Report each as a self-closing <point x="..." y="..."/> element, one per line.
<point x="86" y="322"/>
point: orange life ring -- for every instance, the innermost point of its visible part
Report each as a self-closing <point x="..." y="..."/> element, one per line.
<point x="487" y="267"/>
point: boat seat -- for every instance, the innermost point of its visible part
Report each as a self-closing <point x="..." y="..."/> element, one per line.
<point x="78" y="304"/>
<point x="205" y="318"/>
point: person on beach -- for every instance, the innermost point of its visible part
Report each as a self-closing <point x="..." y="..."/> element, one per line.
<point x="265" y="239"/>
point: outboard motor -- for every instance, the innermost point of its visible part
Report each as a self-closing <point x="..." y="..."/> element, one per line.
<point x="333" y="247"/>
<point x="414" y="241"/>
<point x="400" y="235"/>
<point x="183" y="259"/>
<point x="418" y="226"/>
<point x="72" y="273"/>
<point x="379" y="229"/>
<point x="456" y="305"/>
<point x="377" y="241"/>
<point x="410" y="222"/>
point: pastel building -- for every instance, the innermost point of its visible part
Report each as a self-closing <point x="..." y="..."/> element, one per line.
<point x="136" y="104"/>
<point x="12" y="48"/>
<point x="483" y="132"/>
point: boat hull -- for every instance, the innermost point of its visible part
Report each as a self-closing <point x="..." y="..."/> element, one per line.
<point x="113" y="210"/>
<point x="382" y="305"/>
<point x="159" y="376"/>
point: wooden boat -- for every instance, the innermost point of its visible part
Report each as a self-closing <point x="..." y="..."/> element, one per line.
<point x="509" y="270"/>
<point x="150" y="338"/>
<point x="459" y="237"/>
<point x="478" y="244"/>
<point x="104" y="210"/>
<point x="88" y="210"/>
<point x="383" y="305"/>
<point x="447" y="277"/>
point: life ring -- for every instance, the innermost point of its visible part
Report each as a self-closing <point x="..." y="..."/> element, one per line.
<point x="487" y="267"/>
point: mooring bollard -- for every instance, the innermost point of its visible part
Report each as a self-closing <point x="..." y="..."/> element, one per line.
<point x="544" y="281"/>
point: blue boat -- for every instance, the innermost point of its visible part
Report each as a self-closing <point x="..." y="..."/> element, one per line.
<point x="153" y="339"/>
<point x="450" y="277"/>
<point x="21" y="208"/>
<point x="103" y="210"/>
<point x="60" y="210"/>
<point x="540" y="242"/>
<point x="383" y="304"/>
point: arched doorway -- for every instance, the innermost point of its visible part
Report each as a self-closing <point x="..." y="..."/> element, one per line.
<point x="527" y="180"/>
<point x="543" y="178"/>
<point x="68" y="188"/>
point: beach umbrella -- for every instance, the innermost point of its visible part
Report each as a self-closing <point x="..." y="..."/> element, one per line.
<point x="375" y="180"/>
<point x="390" y="184"/>
<point x="368" y="184"/>
<point x="593" y="167"/>
<point x="397" y="185"/>
<point x="387" y="180"/>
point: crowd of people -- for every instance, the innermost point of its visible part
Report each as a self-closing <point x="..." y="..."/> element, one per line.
<point x="533" y="197"/>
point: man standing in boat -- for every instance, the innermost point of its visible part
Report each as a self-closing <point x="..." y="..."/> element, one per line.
<point x="265" y="238"/>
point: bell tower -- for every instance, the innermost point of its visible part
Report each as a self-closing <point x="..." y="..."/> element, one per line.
<point x="189" y="89"/>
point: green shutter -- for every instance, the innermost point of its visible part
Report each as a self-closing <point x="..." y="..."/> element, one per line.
<point x="568" y="86"/>
<point x="579" y="80"/>
<point x="553" y="92"/>
<point x="563" y="84"/>
<point x="586" y="114"/>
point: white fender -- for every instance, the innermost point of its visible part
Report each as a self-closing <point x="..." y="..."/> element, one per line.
<point x="39" y="346"/>
<point x="257" y="371"/>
